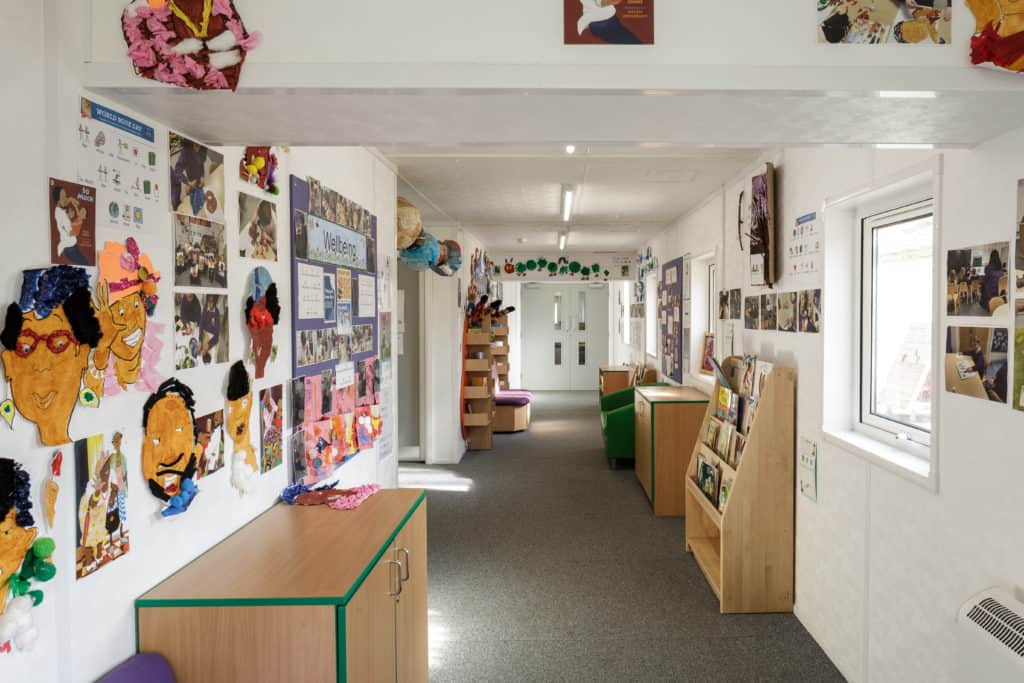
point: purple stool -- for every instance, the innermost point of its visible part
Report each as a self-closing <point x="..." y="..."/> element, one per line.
<point x="512" y="411"/>
<point x="146" y="667"/>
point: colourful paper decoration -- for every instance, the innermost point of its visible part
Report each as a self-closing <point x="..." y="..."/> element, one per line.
<point x="262" y="313"/>
<point x="170" y="453"/>
<point x="999" y="33"/>
<point x="244" y="467"/>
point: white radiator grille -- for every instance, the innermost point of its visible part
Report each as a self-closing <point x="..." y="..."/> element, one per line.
<point x="1003" y="623"/>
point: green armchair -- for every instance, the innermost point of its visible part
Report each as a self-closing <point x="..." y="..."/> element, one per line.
<point x="618" y="424"/>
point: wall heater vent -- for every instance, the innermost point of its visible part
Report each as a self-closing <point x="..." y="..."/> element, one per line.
<point x="991" y="647"/>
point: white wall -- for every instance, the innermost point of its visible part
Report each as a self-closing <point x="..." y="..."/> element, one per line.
<point x="882" y="564"/>
<point x="87" y="626"/>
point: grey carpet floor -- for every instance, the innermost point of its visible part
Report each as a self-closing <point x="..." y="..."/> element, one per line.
<point x="545" y="565"/>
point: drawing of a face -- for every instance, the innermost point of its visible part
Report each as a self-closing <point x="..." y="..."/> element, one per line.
<point x="45" y="371"/>
<point x="14" y="543"/>
<point x="169" y="449"/>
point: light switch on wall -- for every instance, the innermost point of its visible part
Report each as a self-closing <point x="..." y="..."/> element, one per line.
<point x="807" y="470"/>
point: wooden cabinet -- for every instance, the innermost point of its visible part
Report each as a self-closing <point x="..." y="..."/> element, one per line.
<point x="668" y="421"/>
<point x="301" y="594"/>
<point x="614" y="378"/>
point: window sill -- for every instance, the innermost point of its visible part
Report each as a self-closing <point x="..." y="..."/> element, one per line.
<point x="903" y="463"/>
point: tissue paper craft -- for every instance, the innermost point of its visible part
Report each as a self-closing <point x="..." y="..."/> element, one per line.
<point x="262" y="313"/>
<point x="170" y="452"/>
<point x="258" y="166"/>
<point x="244" y="467"/>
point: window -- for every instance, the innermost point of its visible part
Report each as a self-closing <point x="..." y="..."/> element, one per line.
<point x="897" y="306"/>
<point x="627" y="297"/>
<point x="558" y="311"/>
<point x="712" y="296"/>
<point x="651" y="314"/>
<point x="581" y="299"/>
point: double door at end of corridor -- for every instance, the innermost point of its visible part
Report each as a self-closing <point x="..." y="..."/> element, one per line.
<point x="564" y="336"/>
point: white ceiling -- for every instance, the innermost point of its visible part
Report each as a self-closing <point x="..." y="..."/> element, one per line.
<point x="510" y="196"/>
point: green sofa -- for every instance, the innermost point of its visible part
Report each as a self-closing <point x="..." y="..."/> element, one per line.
<point x="618" y="424"/>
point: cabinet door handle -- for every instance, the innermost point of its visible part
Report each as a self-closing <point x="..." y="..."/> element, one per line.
<point x="406" y="565"/>
<point x="397" y="575"/>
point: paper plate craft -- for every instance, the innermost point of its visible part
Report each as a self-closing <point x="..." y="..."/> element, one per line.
<point x="126" y="298"/>
<point x="258" y="166"/>
<point x="999" y="33"/>
<point x="198" y="44"/>
<point x="170" y="452"/>
<point x="48" y="336"/>
<point x="262" y="312"/>
<point x="244" y="466"/>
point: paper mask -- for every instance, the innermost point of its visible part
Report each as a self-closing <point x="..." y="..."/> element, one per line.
<point x="125" y="298"/>
<point x="199" y="44"/>
<point x="262" y="312"/>
<point x="170" y="453"/>
<point x="48" y="336"/>
<point x="244" y="464"/>
<point x="258" y="166"/>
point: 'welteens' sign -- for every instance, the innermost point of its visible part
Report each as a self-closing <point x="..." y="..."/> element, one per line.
<point x="330" y="243"/>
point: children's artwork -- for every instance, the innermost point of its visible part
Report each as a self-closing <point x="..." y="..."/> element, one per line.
<point x="1018" y="369"/>
<point x="200" y="329"/>
<point x="977" y="362"/>
<point x="1018" y="257"/>
<point x="599" y="22"/>
<point x="419" y="250"/>
<point x="194" y="44"/>
<point x="997" y="34"/>
<point x="244" y="466"/>
<point x="170" y="449"/>
<point x="762" y="227"/>
<point x="752" y="313"/>
<point x="126" y="299"/>
<point x="48" y="336"/>
<point x="262" y="313"/>
<point x="25" y="560"/>
<point x="787" y="312"/>
<point x="257" y="228"/>
<point x="670" y="305"/>
<point x="810" y="310"/>
<point x="881" y="22"/>
<point x="258" y="168"/>
<point x="200" y="253"/>
<point x="118" y="156"/>
<point x="978" y="281"/>
<point x="51" y="488"/>
<point x="271" y="424"/>
<point x="197" y="179"/>
<point x="101" y="486"/>
<point x="385" y="336"/>
<point x="210" y="436"/>
<point x="72" y="224"/>
<point x="769" y="312"/>
<point x="707" y="354"/>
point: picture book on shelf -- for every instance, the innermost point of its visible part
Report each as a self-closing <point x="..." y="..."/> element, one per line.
<point x="737" y="454"/>
<point x="749" y="410"/>
<point x="722" y="405"/>
<point x="747" y="377"/>
<point x="761" y="376"/>
<point x="711" y="433"/>
<point x="725" y="435"/>
<point x="734" y="408"/>
<point x="723" y="493"/>
<point x="707" y="478"/>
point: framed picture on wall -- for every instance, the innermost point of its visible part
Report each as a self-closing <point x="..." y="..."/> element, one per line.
<point x="762" y="228"/>
<point x="707" y="353"/>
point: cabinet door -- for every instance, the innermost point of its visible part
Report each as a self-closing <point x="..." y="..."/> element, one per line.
<point x="370" y="624"/>
<point x="411" y="611"/>
<point x="643" y="443"/>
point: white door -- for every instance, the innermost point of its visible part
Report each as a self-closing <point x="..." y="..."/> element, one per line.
<point x="564" y="335"/>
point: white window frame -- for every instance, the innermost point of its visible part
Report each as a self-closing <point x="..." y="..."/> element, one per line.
<point x="712" y="317"/>
<point x="627" y="311"/>
<point x="651" y="326"/>
<point x="869" y="423"/>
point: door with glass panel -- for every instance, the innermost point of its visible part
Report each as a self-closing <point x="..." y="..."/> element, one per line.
<point x="564" y="335"/>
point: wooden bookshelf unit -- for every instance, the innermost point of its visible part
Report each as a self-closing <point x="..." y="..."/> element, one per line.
<point x="478" y="387"/>
<point x="499" y="327"/>
<point x="745" y="546"/>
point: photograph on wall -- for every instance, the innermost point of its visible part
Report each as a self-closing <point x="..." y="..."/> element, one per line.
<point x="101" y="477"/>
<point x="723" y="305"/>
<point x="1018" y="256"/>
<point x="200" y="329"/>
<point x="735" y="304"/>
<point x="368" y="382"/>
<point x="810" y="310"/>
<point x="769" y="312"/>
<point x="752" y="313"/>
<point x="362" y="339"/>
<point x="787" y="312"/>
<point x="197" y="179"/>
<point x="210" y="437"/>
<point x="117" y="155"/>
<point x="762" y="227"/>
<point x="885" y="22"/>
<point x="1018" y="369"/>
<point x="707" y="354"/>
<point x="299" y="239"/>
<point x="271" y="427"/>
<point x="978" y="281"/>
<point x="257" y="231"/>
<point x="385" y="336"/>
<point x="330" y="298"/>
<point x="72" y="223"/>
<point x="200" y="253"/>
<point x="977" y="362"/>
<point x="316" y="347"/>
<point x="609" y="22"/>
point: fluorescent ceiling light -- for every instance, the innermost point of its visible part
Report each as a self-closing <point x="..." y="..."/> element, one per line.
<point x="563" y="237"/>
<point x="907" y="94"/>
<point x="903" y="145"/>
<point x="570" y="149"/>
<point x="567" y="194"/>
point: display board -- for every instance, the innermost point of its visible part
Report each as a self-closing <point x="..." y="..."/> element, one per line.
<point x="670" y="317"/>
<point x="335" y="364"/>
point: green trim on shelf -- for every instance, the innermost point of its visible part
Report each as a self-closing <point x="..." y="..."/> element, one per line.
<point x="137" y="646"/>
<point x="652" y="450"/>
<point x="391" y="539"/>
<point x="339" y="633"/>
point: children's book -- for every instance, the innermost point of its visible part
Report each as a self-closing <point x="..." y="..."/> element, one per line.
<point x="724" y="400"/>
<point x="761" y="377"/>
<point x="749" y="410"/>
<point x="723" y="493"/>
<point x="747" y="379"/>
<point x="711" y="433"/>
<point x="707" y="479"/>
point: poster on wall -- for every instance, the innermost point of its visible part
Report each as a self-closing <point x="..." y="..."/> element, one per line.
<point x="117" y="155"/>
<point x="885" y="22"/>
<point x="257" y="228"/>
<point x="978" y="281"/>
<point x="101" y="478"/>
<point x="977" y="362"/>
<point x="805" y="249"/>
<point x="670" y="305"/>
<point x="197" y="179"/>
<point x="599" y="22"/>
<point x="200" y="253"/>
<point x="72" y="223"/>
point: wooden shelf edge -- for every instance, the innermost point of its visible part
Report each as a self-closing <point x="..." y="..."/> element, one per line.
<point x="706" y="552"/>
<point x="710" y="510"/>
<point x="709" y="452"/>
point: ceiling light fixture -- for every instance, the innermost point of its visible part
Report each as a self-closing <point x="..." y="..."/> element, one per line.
<point x="908" y="94"/>
<point x="568" y="191"/>
<point x="570" y="149"/>
<point x="904" y="145"/>
<point x="563" y="238"/>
